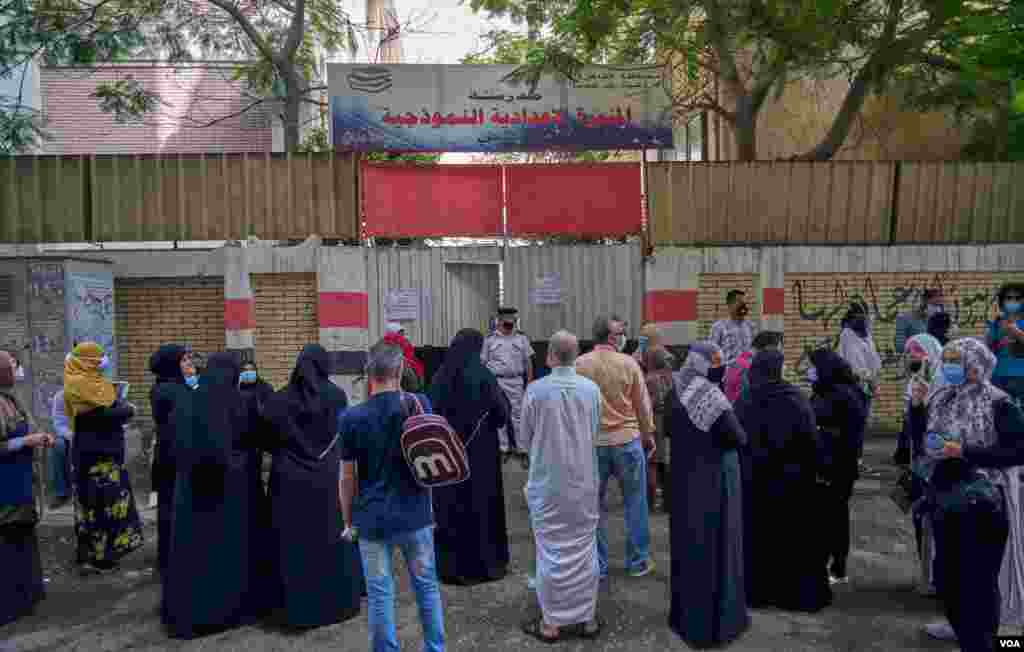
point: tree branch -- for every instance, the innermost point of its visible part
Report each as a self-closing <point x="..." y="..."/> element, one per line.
<point x="296" y="30"/>
<point x="246" y="26"/>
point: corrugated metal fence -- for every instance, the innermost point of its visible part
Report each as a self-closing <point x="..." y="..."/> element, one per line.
<point x="445" y="299"/>
<point x="186" y="197"/>
<point x="835" y="203"/>
<point x="593" y="280"/>
<point x="274" y="197"/>
<point x="457" y="287"/>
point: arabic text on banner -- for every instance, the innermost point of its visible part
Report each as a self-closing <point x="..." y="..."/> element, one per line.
<point x="469" y="108"/>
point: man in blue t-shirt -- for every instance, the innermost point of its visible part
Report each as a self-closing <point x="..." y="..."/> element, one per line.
<point x="383" y="506"/>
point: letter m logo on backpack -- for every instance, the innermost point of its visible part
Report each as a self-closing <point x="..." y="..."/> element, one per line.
<point x="432" y="449"/>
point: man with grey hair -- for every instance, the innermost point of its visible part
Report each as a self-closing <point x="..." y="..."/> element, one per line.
<point x="560" y="421"/>
<point x="626" y="439"/>
<point x="382" y="505"/>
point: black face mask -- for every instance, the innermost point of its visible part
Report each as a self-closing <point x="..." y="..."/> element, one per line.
<point x="508" y="325"/>
<point x="716" y="374"/>
<point x="859" y="325"/>
<point x="915" y="366"/>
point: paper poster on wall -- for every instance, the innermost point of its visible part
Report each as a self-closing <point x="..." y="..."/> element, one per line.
<point x="547" y="290"/>
<point x="90" y="307"/>
<point x="402" y="305"/>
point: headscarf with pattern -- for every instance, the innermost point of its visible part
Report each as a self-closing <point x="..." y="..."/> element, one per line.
<point x="11" y="412"/>
<point x="967" y="410"/>
<point x="85" y="388"/>
<point x="704" y="401"/>
<point x="924" y="345"/>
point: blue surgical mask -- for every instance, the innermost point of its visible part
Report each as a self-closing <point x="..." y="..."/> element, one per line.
<point x="812" y="375"/>
<point x="954" y="373"/>
<point x="104" y="363"/>
<point x="192" y="381"/>
<point x="935" y="309"/>
<point x="1012" y="307"/>
<point x="248" y="377"/>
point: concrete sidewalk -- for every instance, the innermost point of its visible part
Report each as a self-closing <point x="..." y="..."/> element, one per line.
<point x="879" y="610"/>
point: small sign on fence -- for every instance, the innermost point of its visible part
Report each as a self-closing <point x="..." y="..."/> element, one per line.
<point x="402" y="305"/>
<point x="547" y="290"/>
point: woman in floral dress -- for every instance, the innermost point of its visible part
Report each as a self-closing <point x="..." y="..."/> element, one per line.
<point x="107" y="524"/>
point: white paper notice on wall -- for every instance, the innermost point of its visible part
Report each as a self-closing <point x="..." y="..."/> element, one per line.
<point x="402" y="305"/>
<point x="547" y="290"/>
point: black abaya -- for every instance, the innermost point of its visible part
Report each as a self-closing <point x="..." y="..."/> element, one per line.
<point x="706" y="529"/>
<point x="210" y="583"/>
<point x="169" y="387"/>
<point x="319" y="575"/>
<point x="780" y="490"/>
<point x="471" y="538"/>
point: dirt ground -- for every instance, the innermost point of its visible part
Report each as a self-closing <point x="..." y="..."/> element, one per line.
<point x="879" y="610"/>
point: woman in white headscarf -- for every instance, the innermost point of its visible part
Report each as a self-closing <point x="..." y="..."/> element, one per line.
<point x="709" y="605"/>
<point x="977" y="433"/>
<point x="922" y="360"/>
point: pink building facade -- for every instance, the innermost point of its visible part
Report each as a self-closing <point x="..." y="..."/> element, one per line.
<point x="200" y="110"/>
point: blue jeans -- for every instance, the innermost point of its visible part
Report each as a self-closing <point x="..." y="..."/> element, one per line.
<point x="628" y="464"/>
<point x="418" y="550"/>
<point x="57" y="468"/>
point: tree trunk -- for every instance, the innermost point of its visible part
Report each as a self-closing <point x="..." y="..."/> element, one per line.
<point x="841" y="124"/>
<point x="745" y="130"/>
<point x="292" y="105"/>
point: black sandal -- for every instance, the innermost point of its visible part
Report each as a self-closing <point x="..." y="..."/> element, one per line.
<point x="535" y="628"/>
<point x="594" y="633"/>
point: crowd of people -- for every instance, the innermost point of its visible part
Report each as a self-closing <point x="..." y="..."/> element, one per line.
<point x="716" y="437"/>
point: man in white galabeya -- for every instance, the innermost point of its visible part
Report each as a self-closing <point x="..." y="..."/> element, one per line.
<point x="561" y="419"/>
<point x="625" y="441"/>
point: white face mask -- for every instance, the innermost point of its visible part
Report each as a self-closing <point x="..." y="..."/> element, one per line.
<point x="620" y="342"/>
<point x="19" y="373"/>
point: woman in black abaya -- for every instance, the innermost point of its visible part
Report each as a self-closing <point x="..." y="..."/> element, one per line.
<point x="709" y="606"/>
<point x="841" y="410"/>
<point x="320" y="576"/>
<point x="782" y="454"/>
<point x="167" y="364"/>
<point x="471" y="538"/>
<point x="210" y="581"/>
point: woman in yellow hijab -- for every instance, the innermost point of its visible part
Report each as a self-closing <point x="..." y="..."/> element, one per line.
<point x="107" y="524"/>
<point x="85" y="388"/>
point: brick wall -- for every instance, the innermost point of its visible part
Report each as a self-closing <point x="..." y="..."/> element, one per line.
<point x="152" y="312"/>
<point x="711" y="298"/>
<point x="816" y="303"/>
<point x="286" y="321"/>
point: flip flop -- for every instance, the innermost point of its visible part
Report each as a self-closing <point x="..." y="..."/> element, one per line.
<point x="598" y="626"/>
<point x="535" y="628"/>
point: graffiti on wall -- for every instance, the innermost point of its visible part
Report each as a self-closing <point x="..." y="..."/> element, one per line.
<point x="91" y="311"/>
<point x="968" y="307"/>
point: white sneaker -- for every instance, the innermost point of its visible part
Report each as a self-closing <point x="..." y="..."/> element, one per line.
<point x="941" y="631"/>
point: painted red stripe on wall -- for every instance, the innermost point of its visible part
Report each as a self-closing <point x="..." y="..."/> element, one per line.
<point x="239" y="314"/>
<point x="343" y="310"/>
<point x="774" y="301"/>
<point x="670" y="305"/>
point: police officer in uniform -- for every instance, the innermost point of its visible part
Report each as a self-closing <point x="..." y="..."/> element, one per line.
<point x="509" y="356"/>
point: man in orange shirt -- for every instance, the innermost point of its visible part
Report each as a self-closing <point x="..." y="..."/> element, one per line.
<point x="625" y="440"/>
